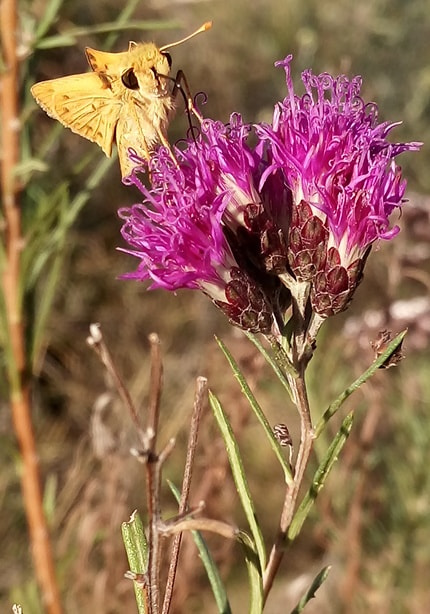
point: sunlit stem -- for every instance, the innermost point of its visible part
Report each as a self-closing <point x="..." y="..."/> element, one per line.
<point x="298" y="388"/>
<point x="314" y="326"/>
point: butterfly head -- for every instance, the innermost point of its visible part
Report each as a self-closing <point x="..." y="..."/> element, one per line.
<point x="147" y="70"/>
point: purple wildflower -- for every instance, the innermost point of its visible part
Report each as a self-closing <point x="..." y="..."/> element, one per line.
<point x="296" y="211"/>
<point x="340" y="168"/>
<point x="178" y="233"/>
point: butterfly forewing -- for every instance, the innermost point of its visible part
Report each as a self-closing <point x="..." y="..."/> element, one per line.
<point x="108" y="62"/>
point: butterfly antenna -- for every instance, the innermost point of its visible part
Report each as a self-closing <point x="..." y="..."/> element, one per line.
<point x="206" y="26"/>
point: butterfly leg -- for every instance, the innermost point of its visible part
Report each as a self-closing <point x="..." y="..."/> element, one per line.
<point x="181" y="85"/>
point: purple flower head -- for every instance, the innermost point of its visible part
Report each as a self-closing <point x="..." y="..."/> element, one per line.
<point x="295" y="209"/>
<point x="178" y="233"/>
<point x="339" y="166"/>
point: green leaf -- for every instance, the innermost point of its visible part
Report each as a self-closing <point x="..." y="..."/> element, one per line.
<point x="70" y="36"/>
<point x="334" y="407"/>
<point x="59" y="40"/>
<point x="50" y="497"/>
<point x="252" y="565"/>
<point x="272" y="362"/>
<point x="42" y="258"/>
<point x="209" y="564"/>
<point x="123" y="18"/>
<point x="49" y="16"/>
<point x="320" y="477"/>
<point x="310" y="593"/>
<point x="256" y="594"/>
<point x="274" y="443"/>
<point x="136" y="546"/>
<point x="27" y="594"/>
<point x="43" y="147"/>
<point x="28" y="167"/>
<point x="214" y="577"/>
<point x="92" y="182"/>
<point x="239" y="477"/>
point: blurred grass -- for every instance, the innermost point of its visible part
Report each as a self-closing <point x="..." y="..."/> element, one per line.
<point x="387" y="42"/>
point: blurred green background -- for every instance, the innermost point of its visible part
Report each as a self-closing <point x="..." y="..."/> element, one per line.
<point x="372" y="522"/>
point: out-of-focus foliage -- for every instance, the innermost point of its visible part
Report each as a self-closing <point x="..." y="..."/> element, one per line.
<point x="386" y="41"/>
<point x="382" y="480"/>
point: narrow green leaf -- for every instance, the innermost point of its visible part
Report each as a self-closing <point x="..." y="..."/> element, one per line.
<point x="92" y="182"/>
<point x="50" y="497"/>
<point x="43" y="147"/>
<point x="70" y="37"/>
<point x="320" y="477"/>
<point x="274" y="443"/>
<point x="334" y="407"/>
<point x="46" y="300"/>
<point x="27" y="592"/>
<point x="209" y="564"/>
<point x="43" y="258"/>
<point x="29" y="166"/>
<point x="59" y="40"/>
<point x="256" y="597"/>
<point x="136" y="546"/>
<point x="319" y="579"/>
<point x="49" y="16"/>
<point x="214" y="577"/>
<point x="123" y="17"/>
<point x="239" y="477"/>
<point x="272" y="362"/>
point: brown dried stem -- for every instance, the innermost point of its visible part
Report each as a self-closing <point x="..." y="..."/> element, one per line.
<point x="153" y="474"/>
<point x="148" y="436"/>
<point x="199" y="401"/>
<point x="201" y="524"/>
<point x="31" y="484"/>
<point x="95" y="340"/>
<point x="155" y="388"/>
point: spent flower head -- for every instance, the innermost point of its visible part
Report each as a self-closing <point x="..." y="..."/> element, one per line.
<point x="295" y="208"/>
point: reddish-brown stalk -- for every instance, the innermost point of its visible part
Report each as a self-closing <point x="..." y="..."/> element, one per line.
<point x="19" y="383"/>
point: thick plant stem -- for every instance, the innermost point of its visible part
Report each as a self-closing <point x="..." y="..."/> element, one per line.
<point x="298" y="388"/>
<point x="33" y="502"/>
<point x="12" y="297"/>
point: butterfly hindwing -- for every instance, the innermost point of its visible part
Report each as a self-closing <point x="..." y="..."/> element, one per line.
<point x="84" y="103"/>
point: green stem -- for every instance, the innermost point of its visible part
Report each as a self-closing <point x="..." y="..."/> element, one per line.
<point x="298" y="387"/>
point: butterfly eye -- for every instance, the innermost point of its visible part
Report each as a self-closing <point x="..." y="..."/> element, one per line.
<point x="129" y="79"/>
<point x="168" y="58"/>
